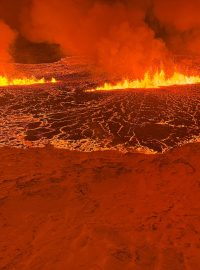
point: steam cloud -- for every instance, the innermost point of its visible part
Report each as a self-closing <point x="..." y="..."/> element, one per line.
<point x="124" y="38"/>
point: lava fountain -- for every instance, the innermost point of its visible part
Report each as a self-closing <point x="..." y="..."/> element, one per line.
<point x="5" y="81"/>
<point x="159" y="79"/>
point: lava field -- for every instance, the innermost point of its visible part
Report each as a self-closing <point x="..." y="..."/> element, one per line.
<point x="67" y="116"/>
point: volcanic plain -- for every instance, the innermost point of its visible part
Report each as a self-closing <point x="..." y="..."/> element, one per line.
<point x="66" y="115"/>
<point x="67" y="204"/>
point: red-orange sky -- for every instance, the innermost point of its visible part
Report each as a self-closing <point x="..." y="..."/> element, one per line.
<point x="125" y="38"/>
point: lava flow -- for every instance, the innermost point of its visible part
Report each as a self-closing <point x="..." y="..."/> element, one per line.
<point x="159" y="79"/>
<point x="5" y="81"/>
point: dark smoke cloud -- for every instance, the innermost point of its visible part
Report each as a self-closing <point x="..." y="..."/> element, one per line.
<point x="124" y="38"/>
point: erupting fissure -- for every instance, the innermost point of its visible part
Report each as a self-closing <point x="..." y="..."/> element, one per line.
<point x="5" y="81"/>
<point x="159" y="79"/>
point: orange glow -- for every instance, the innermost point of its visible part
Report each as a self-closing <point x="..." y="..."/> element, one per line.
<point x="158" y="80"/>
<point x="5" y="81"/>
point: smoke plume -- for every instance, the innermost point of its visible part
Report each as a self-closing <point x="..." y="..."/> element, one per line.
<point x="111" y="33"/>
<point x="6" y="39"/>
<point x="123" y="38"/>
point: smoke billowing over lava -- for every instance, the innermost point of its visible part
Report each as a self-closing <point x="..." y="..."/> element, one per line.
<point x="123" y="38"/>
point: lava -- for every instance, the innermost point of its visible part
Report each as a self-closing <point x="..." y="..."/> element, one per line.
<point x="159" y="79"/>
<point x="5" y="81"/>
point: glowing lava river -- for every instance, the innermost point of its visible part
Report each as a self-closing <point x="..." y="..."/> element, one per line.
<point x="4" y="81"/>
<point x="65" y="114"/>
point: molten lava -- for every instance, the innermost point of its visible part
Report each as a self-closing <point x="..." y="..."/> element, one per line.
<point x="158" y="80"/>
<point x="5" y="81"/>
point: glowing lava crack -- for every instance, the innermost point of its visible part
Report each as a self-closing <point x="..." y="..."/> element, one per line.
<point x="5" y="81"/>
<point x="158" y="80"/>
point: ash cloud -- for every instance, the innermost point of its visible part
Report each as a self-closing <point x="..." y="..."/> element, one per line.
<point x="123" y="38"/>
